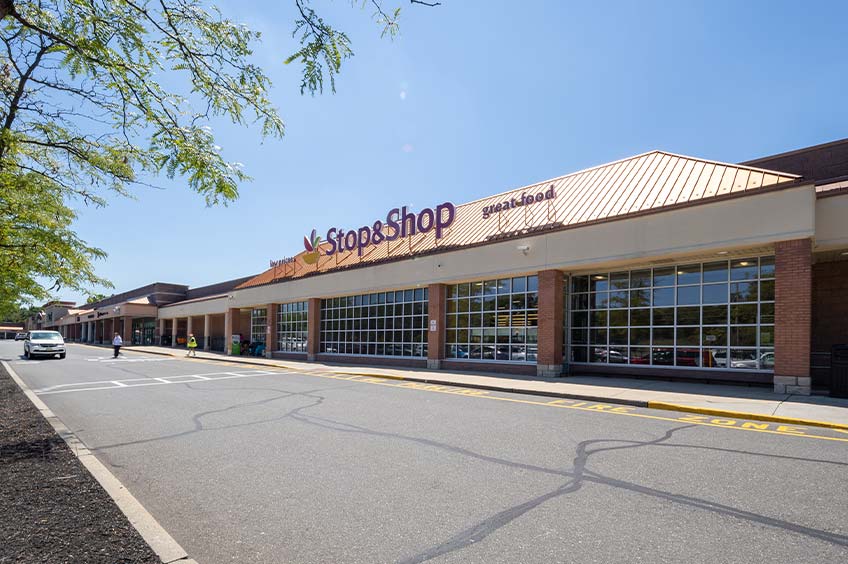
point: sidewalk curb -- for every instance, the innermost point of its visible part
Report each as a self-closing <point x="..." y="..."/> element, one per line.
<point x="745" y="415"/>
<point x="162" y="543"/>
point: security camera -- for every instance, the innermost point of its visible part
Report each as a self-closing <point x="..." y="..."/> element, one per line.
<point x="524" y="248"/>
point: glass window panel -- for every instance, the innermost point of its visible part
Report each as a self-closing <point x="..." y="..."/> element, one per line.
<point x="597" y="354"/>
<point x="619" y="280"/>
<point x="744" y="358"/>
<point x="519" y="284"/>
<point x="618" y="336"/>
<point x="579" y="284"/>
<point x="504" y="286"/>
<point x="518" y="352"/>
<point x="598" y="336"/>
<point x="619" y="299"/>
<point x="662" y="356"/>
<point x="618" y="317"/>
<point x="688" y="336"/>
<point x="640" y="316"/>
<point x="743" y="269"/>
<point x="688" y="295"/>
<point x="715" y="271"/>
<point x="664" y="276"/>
<point x="579" y="336"/>
<point x="663" y="336"/>
<point x="503" y="302"/>
<point x="689" y="274"/>
<point x="532" y="335"/>
<point x="766" y="360"/>
<point x="766" y="267"/>
<point x="598" y="318"/>
<point x="618" y="355"/>
<point x="664" y="297"/>
<point x="766" y="290"/>
<point x="743" y="292"/>
<point x="662" y="316"/>
<point x="579" y="301"/>
<point x="743" y="336"/>
<point x="581" y="319"/>
<point x="579" y="354"/>
<point x="715" y="293"/>
<point x="519" y="301"/>
<point x="490" y="303"/>
<point x="714" y="336"/>
<point x="532" y="300"/>
<point x="598" y="300"/>
<point x="476" y="290"/>
<point x="640" y="355"/>
<point x="640" y="298"/>
<point x="640" y="279"/>
<point x="766" y="313"/>
<point x="688" y="316"/>
<point x="598" y="282"/>
<point x="688" y="357"/>
<point x="490" y="287"/>
<point x="743" y="314"/>
<point x="640" y="336"/>
<point x="714" y="315"/>
<point x="488" y="352"/>
<point x="767" y="335"/>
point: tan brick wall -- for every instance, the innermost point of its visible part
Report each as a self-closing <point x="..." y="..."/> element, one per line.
<point x="436" y="295"/>
<point x="792" y="315"/>
<point x="550" y="318"/>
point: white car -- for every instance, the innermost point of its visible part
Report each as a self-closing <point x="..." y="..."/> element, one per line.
<point x="44" y="343"/>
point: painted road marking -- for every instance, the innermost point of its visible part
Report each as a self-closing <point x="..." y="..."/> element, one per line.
<point x="139" y="382"/>
<point x="111" y="359"/>
<point x="772" y="428"/>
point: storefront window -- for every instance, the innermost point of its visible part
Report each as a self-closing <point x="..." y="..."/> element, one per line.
<point x="712" y="315"/>
<point x="292" y="321"/>
<point x="258" y="325"/>
<point x="381" y="324"/>
<point x="493" y="319"/>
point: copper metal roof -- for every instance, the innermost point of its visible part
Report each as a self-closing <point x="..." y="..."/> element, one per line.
<point x="644" y="183"/>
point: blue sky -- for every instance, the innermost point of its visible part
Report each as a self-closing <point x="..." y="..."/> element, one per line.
<point x="477" y="97"/>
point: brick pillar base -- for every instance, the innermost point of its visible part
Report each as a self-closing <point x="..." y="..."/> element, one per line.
<point x="313" y="329"/>
<point x="549" y="360"/>
<point x="793" y="289"/>
<point x="436" y="294"/>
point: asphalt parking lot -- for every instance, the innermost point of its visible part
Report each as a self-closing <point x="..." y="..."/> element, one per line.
<point x="245" y="463"/>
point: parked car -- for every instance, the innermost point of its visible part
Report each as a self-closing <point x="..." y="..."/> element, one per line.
<point x="44" y="343"/>
<point x="20" y="336"/>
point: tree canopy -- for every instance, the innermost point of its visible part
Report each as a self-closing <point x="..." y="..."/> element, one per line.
<point x="84" y="114"/>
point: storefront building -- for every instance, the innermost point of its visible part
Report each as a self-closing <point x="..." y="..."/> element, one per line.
<point x="658" y="265"/>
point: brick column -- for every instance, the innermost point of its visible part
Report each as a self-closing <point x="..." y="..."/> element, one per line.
<point x="189" y="329"/>
<point x="793" y="294"/>
<point x="229" y="315"/>
<point x="207" y="333"/>
<point x="436" y="294"/>
<point x="174" y="332"/>
<point x="549" y="360"/>
<point x="127" y="334"/>
<point x="271" y="329"/>
<point x="161" y="329"/>
<point x="313" y="329"/>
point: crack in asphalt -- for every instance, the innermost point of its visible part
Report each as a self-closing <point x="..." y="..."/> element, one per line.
<point x="577" y="476"/>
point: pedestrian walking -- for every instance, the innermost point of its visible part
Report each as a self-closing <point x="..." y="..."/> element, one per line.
<point x="116" y="344"/>
<point x="192" y="345"/>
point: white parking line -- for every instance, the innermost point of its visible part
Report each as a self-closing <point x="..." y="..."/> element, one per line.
<point x="155" y="381"/>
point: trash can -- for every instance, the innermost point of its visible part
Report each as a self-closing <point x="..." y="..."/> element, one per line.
<point x="236" y="349"/>
<point x="839" y="371"/>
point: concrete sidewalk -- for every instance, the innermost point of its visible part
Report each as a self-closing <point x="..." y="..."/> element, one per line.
<point x="711" y="399"/>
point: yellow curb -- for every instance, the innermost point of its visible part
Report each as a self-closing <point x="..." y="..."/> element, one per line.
<point x="745" y="415"/>
<point x="366" y="375"/>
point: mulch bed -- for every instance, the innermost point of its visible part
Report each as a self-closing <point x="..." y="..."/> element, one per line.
<point x="51" y="509"/>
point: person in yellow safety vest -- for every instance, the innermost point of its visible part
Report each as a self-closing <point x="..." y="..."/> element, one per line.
<point x="192" y="345"/>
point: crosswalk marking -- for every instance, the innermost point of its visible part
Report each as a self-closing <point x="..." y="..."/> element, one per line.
<point x="152" y="381"/>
